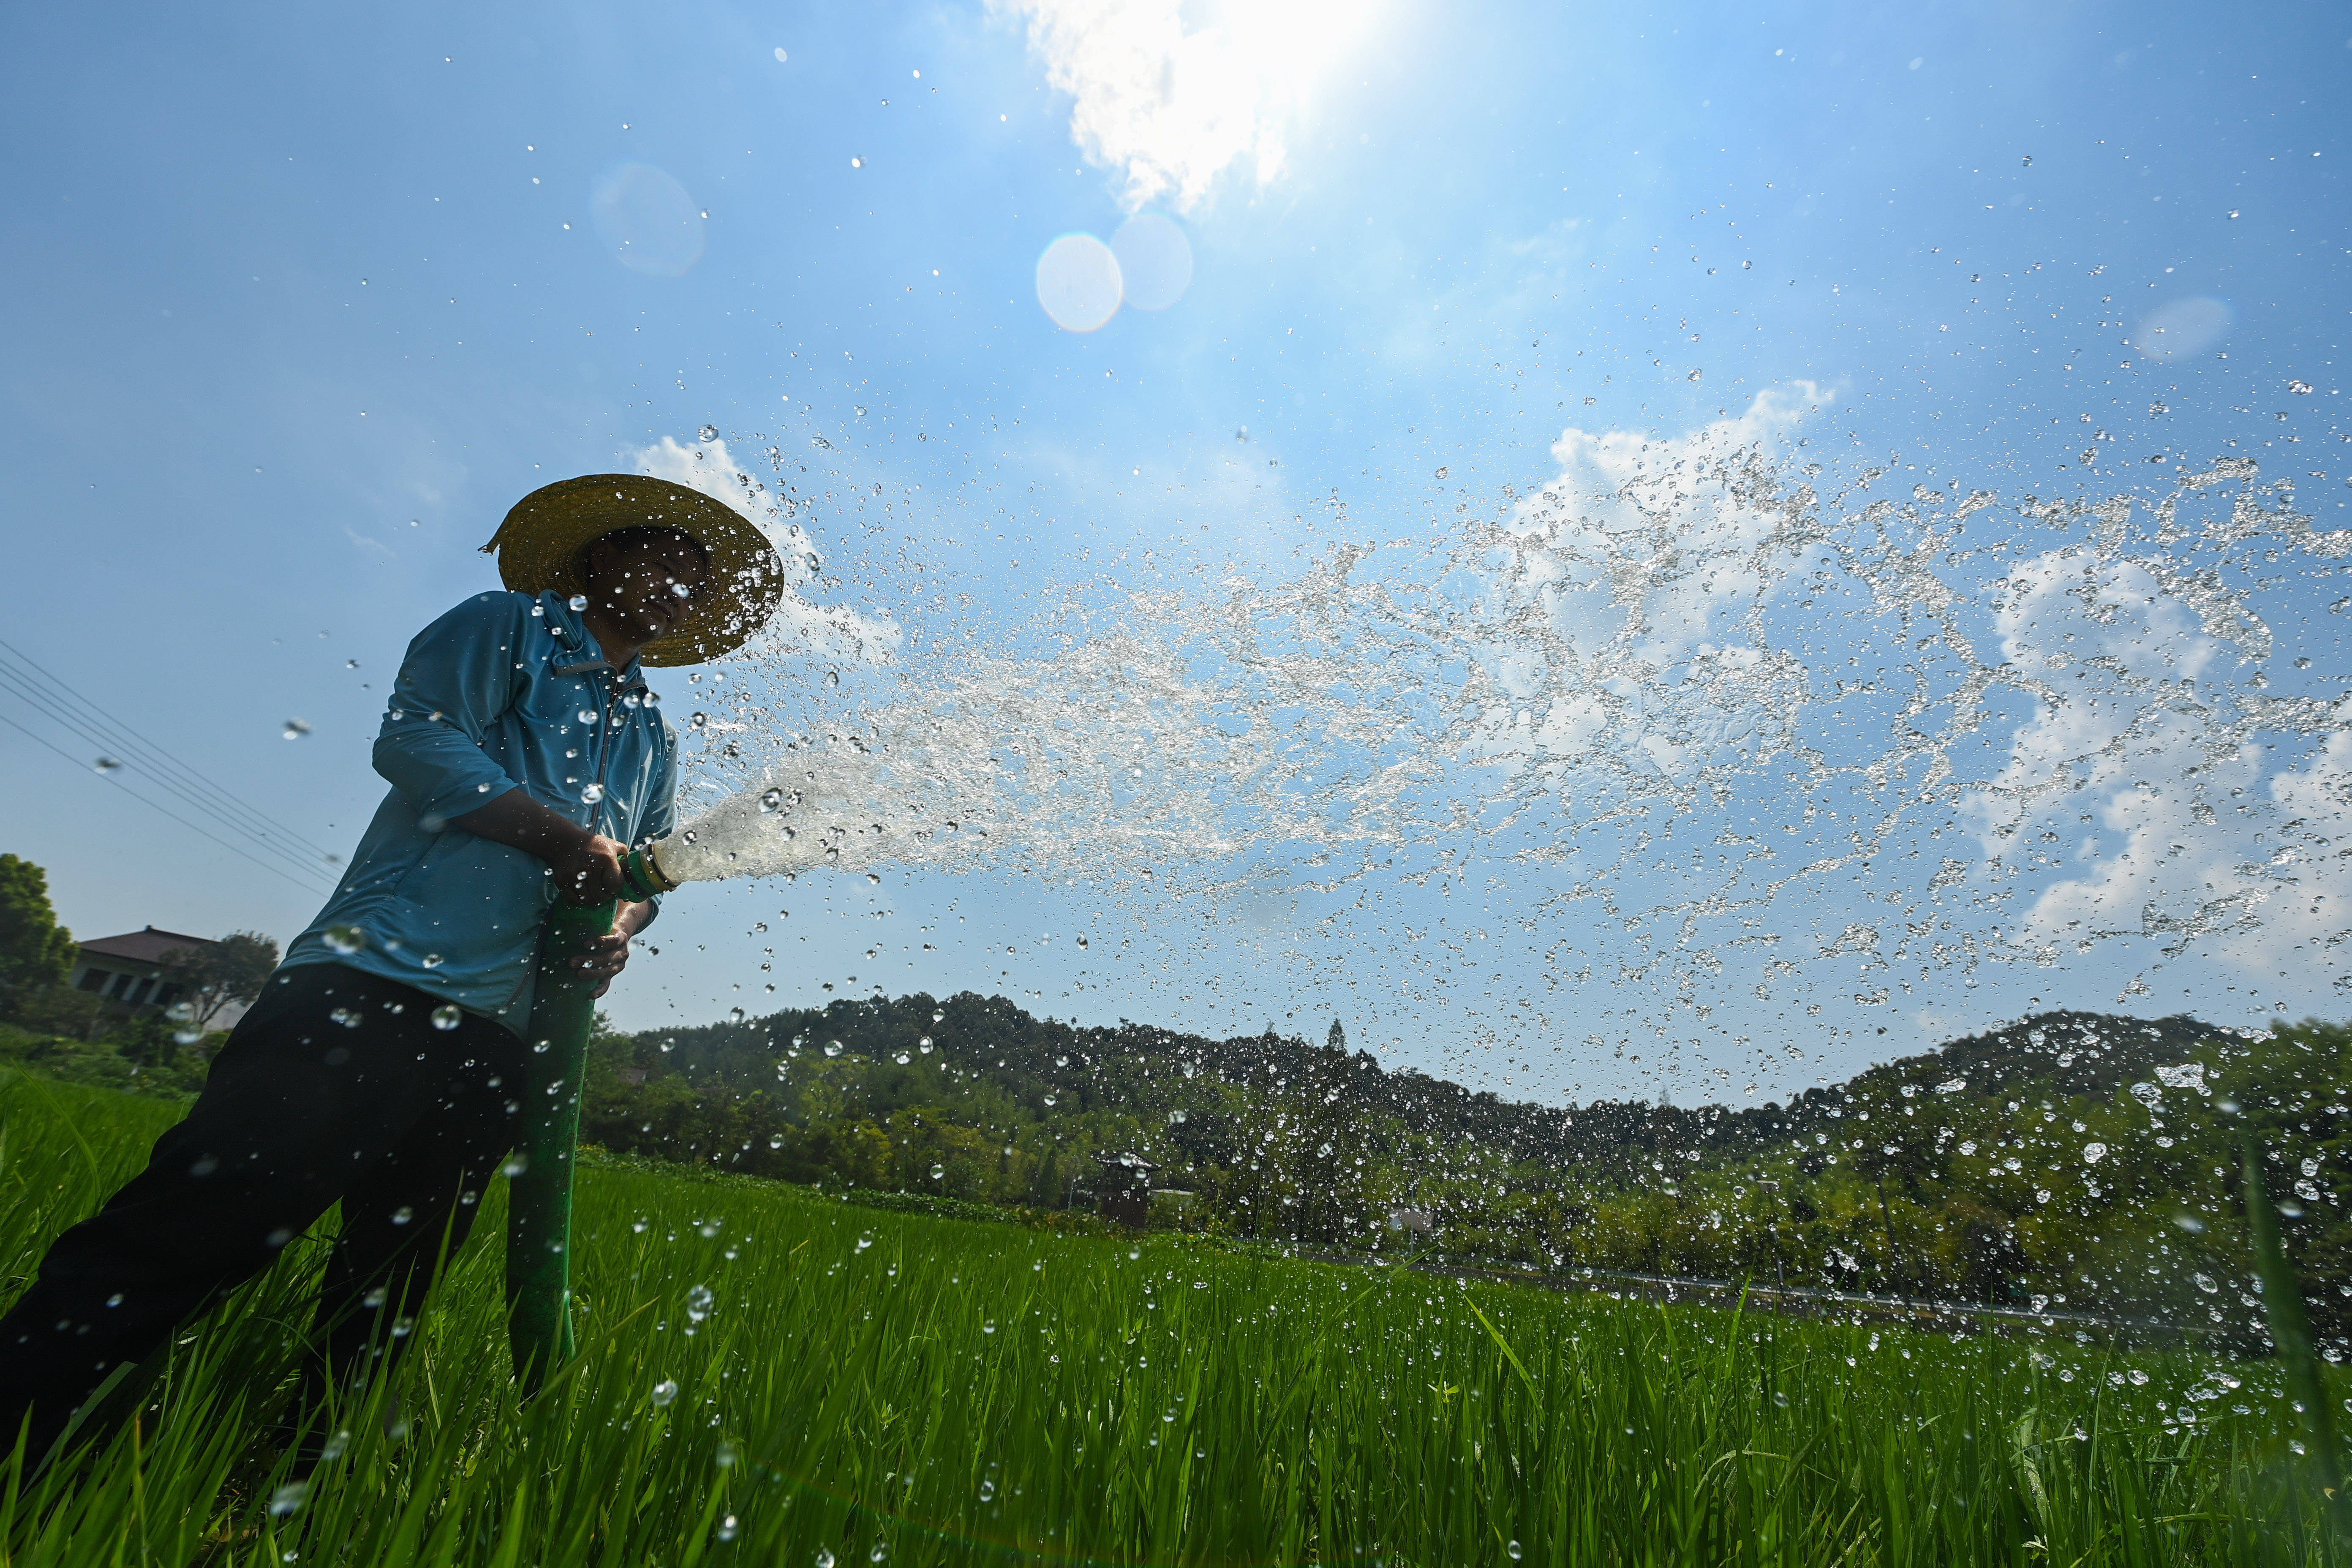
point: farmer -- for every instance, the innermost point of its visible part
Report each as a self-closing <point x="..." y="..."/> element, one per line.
<point x="380" y="1067"/>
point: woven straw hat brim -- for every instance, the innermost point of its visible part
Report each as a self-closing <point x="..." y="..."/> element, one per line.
<point x="539" y="546"/>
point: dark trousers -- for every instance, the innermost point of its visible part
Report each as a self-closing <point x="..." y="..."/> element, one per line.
<point x="336" y="1087"/>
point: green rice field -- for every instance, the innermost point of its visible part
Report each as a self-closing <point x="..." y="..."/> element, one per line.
<point x="862" y="1387"/>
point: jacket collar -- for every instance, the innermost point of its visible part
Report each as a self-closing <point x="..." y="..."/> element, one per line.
<point x="577" y="652"/>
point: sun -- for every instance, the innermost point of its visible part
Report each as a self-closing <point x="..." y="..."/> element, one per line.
<point x="1174" y="96"/>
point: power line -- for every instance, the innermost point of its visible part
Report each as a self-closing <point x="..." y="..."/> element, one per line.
<point x="129" y="739"/>
<point x="175" y="816"/>
<point x="112" y="734"/>
<point x="223" y="817"/>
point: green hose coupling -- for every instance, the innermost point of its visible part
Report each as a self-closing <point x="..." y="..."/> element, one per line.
<point x="642" y="876"/>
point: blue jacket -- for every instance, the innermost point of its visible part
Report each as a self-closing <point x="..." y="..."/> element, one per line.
<point x="505" y="691"/>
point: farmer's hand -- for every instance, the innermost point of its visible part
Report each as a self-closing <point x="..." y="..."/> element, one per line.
<point x="588" y="870"/>
<point x="605" y="957"/>
<point x="586" y="866"/>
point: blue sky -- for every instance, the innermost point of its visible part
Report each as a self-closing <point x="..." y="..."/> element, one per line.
<point x="298" y="304"/>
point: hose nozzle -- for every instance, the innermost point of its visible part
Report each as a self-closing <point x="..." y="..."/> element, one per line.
<point x="641" y="874"/>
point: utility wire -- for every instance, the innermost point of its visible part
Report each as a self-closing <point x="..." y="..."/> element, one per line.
<point x="112" y="734"/>
<point x="193" y="827"/>
<point x="223" y="817"/>
<point x="160" y="762"/>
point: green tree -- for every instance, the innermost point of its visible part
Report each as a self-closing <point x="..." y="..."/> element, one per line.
<point x="233" y="968"/>
<point x="36" y="953"/>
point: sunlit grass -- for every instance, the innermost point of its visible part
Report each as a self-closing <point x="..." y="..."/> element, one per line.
<point x="946" y="1391"/>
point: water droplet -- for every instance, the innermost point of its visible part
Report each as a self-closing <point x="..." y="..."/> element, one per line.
<point x="833" y="1047"/>
<point x="988" y="1325"/>
<point x="296" y="728"/>
<point x="698" y="1303"/>
<point x="286" y="1499"/>
<point x="402" y="1215"/>
<point x="924" y="1045"/>
<point x="865" y="1241"/>
<point x="881" y="1549"/>
<point x="2094" y="1152"/>
<point x="344" y="939"/>
<point x="987" y="1491"/>
<point x="1513" y="1548"/>
<point x="578" y="601"/>
<point x="2207" y="1283"/>
<point x="824" y="1558"/>
<point x="105" y="764"/>
<point x="591" y="793"/>
<point x="665" y="1391"/>
<point x="710" y="432"/>
<point x="856" y="162"/>
<point x="938" y="1172"/>
<point x="448" y="1015"/>
<point x="726" y="1525"/>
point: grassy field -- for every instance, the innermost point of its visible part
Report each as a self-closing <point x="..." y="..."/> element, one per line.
<point x="859" y="1387"/>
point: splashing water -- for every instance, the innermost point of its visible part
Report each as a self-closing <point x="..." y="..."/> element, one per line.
<point x="1685" y="681"/>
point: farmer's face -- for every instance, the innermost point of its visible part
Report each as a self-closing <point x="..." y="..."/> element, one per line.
<point x="647" y="586"/>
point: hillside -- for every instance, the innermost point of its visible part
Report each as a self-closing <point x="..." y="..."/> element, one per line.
<point x="2073" y="1158"/>
<point x="1023" y="1068"/>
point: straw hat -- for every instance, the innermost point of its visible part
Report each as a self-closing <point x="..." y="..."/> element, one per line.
<point x="539" y="547"/>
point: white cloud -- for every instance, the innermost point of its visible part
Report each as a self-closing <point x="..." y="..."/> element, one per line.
<point x="798" y="624"/>
<point x="2144" y="784"/>
<point x="1633" y="583"/>
<point x="1173" y="108"/>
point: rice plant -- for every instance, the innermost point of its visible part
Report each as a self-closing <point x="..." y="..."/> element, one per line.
<point x="770" y="1376"/>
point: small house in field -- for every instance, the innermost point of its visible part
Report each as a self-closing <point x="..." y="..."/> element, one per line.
<point x="127" y="969"/>
<point x="1123" y="1195"/>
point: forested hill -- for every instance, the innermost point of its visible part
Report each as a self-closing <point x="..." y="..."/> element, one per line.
<point x="1137" y="1075"/>
<point x="2087" y="1161"/>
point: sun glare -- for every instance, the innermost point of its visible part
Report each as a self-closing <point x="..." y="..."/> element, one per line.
<point x="1173" y="106"/>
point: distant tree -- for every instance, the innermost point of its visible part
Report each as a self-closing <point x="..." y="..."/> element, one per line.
<point x="1338" y="1039"/>
<point x="233" y="968"/>
<point x="58" y="1010"/>
<point x="36" y="953"/>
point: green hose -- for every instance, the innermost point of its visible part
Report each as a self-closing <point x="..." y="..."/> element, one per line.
<point x="538" y="1190"/>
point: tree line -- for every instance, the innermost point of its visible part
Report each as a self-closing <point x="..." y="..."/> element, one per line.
<point x="2073" y="1161"/>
